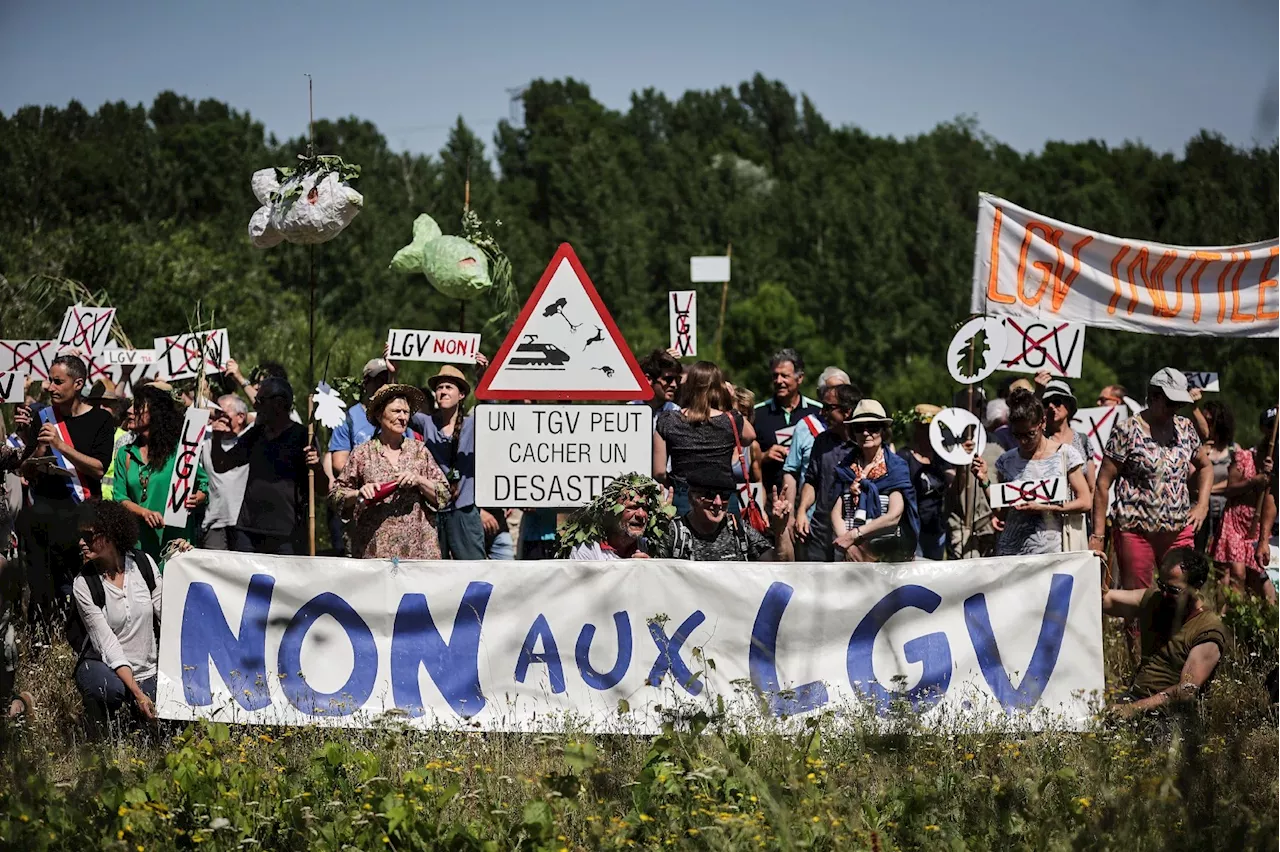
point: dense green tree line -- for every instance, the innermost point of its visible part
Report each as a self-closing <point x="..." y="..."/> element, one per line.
<point x="856" y="249"/>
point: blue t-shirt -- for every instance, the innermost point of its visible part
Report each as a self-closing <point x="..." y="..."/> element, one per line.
<point x="441" y="447"/>
<point x="354" y="430"/>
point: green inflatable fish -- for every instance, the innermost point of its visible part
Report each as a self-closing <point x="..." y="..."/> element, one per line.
<point x="454" y="266"/>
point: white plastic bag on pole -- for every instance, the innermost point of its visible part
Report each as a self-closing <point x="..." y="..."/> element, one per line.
<point x="301" y="209"/>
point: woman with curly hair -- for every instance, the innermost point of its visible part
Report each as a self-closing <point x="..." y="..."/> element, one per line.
<point x="144" y="468"/>
<point x="117" y="595"/>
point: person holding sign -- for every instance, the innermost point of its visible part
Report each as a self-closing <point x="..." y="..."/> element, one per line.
<point x="450" y="434"/>
<point x="391" y="487"/>
<point x="274" y="511"/>
<point x="1150" y="458"/>
<point x="65" y="457"/>
<point x="144" y="470"/>
<point x="1035" y="527"/>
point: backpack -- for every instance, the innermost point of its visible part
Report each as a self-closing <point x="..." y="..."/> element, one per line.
<point x="98" y="593"/>
<point x="682" y="540"/>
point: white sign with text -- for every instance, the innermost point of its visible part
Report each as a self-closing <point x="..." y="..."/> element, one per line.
<point x="558" y="455"/>
<point x="183" y="482"/>
<point x="682" y="318"/>
<point x="452" y="347"/>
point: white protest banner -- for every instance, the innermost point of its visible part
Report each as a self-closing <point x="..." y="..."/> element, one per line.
<point x="1034" y="346"/>
<point x="1096" y="425"/>
<point x="682" y="318"/>
<point x="1204" y="381"/>
<point x="28" y="356"/>
<point x="126" y="356"/>
<point x="1030" y="266"/>
<point x="709" y="269"/>
<point x="558" y="455"/>
<point x="130" y="376"/>
<point x="13" y="387"/>
<point x="622" y="646"/>
<point x="183" y="481"/>
<point x="180" y="356"/>
<point x="1004" y="494"/>
<point x="453" y="347"/>
<point x="86" y="329"/>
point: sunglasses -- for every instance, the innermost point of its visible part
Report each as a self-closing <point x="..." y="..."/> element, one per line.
<point x="1024" y="436"/>
<point x="88" y="534"/>
<point x="711" y="496"/>
<point x="668" y="379"/>
<point x="865" y="427"/>
<point x="830" y="406"/>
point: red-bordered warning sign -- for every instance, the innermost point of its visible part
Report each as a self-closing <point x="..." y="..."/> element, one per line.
<point x="564" y="345"/>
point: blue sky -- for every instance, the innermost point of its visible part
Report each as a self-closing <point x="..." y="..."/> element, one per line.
<point x="1151" y="70"/>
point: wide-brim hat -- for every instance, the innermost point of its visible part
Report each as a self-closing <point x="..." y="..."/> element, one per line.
<point x="925" y="412"/>
<point x="1058" y="389"/>
<point x="869" y="411"/>
<point x="383" y="396"/>
<point x="450" y="373"/>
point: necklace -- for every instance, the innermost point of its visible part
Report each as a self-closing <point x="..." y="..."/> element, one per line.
<point x="144" y="477"/>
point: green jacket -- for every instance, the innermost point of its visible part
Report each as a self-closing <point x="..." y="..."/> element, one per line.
<point x="129" y="474"/>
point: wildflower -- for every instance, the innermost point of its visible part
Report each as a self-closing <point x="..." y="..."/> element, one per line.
<point x="25" y="818"/>
<point x="386" y="839"/>
<point x="692" y="831"/>
<point x="122" y="810"/>
<point x="968" y="755"/>
<point x="1084" y="801"/>
<point x="931" y="827"/>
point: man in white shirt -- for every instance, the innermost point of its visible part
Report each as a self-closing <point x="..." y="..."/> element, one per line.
<point x="228" y="420"/>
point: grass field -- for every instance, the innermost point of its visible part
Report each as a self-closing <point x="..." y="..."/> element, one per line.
<point x="1201" y="777"/>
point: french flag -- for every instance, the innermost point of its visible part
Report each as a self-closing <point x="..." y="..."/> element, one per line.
<point x="79" y="491"/>
<point x="814" y="424"/>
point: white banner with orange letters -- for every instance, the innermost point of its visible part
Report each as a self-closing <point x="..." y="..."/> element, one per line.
<point x="1037" y="268"/>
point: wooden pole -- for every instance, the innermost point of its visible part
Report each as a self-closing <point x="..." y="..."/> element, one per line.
<point x="724" y="301"/>
<point x="311" y="344"/>
<point x="966" y="536"/>
<point x="1256" y="527"/>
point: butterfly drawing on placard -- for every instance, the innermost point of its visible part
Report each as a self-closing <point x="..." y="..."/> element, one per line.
<point x="950" y="440"/>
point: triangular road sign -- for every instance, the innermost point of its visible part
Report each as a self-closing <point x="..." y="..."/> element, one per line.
<point x="564" y="345"/>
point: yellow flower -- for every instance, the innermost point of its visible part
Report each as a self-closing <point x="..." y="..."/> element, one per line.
<point x="25" y="818"/>
<point x="386" y="839"/>
<point x="121" y="811"/>
<point x="931" y="827"/>
<point x="968" y="755"/>
<point x="1084" y="801"/>
<point x="692" y="831"/>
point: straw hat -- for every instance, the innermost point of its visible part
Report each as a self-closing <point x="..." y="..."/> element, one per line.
<point x="385" y="394"/>
<point x="927" y="412"/>
<point x="869" y="411"/>
<point x="450" y="373"/>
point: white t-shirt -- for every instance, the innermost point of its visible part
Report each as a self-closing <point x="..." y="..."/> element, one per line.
<point x="1027" y="533"/>
<point x="123" y="631"/>
<point x="226" y="490"/>
<point x="593" y="553"/>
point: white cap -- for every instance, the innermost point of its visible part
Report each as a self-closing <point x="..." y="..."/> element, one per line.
<point x="1172" y="383"/>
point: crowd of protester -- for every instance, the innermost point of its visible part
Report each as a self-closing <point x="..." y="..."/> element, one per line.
<point x="1175" y="502"/>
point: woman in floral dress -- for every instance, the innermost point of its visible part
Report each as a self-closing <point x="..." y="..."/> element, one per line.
<point x="1248" y="477"/>
<point x="391" y="486"/>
